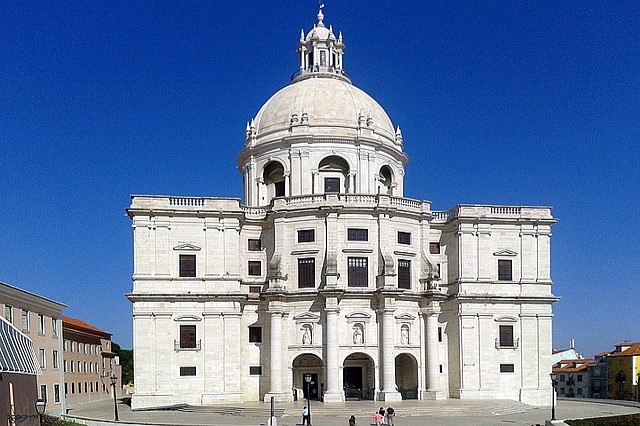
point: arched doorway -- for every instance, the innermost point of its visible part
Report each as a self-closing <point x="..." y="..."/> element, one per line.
<point x="312" y="365"/>
<point x="358" y="377"/>
<point x="407" y="376"/>
<point x="385" y="178"/>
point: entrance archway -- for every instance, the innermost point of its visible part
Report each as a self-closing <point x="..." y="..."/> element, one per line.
<point x="312" y="365"/>
<point x="358" y="377"/>
<point x="407" y="376"/>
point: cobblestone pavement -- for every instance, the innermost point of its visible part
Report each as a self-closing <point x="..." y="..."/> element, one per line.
<point x="441" y="413"/>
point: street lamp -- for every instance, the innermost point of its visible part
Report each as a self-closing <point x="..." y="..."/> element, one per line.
<point x="307" y="379"/>
<point x="553" y="376"/>
<point x="41" y="406"/>
<point x="114" y="380"/>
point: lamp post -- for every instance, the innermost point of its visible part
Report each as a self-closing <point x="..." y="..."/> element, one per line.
<point x="307" y="379"/>
<point x="41" y="406"/>
<point x="553" y="376"/>
<point x="114" y="380"/>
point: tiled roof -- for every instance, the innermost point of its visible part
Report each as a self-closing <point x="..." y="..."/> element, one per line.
<point x="83" y="326"/>
<point x="572" y="365"/>
<point x="632" y="350"/>
<point x="16" y="351"/>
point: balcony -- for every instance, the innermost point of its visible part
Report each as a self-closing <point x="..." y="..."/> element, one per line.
<point x="178" y="348"/>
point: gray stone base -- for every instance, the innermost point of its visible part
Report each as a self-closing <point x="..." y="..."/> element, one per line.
<point x="432" y="395"/>
<point x="277" y="397"/>
<point x="389" y="396"/>
<point x="333" y="397"/>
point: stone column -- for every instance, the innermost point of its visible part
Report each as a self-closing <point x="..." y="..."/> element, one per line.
<point x="388" y="391"/>
<point x="333" y="391"/>
<point x="276" y="358"/>
<point x="433" y="354"/>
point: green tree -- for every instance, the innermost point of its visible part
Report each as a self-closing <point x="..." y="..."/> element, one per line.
<point x="126" y="361"/>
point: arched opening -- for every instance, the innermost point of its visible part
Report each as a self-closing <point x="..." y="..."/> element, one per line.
<point x="273" y="178"/>
<point x="312" y="365"/>
<point x="407" y="376"/>
<point x="334" y="173"/>
<point x="385" y="179"/>
<point x="358" y="377"/>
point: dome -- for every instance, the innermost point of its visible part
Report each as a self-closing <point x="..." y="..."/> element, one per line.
<point x="330" y="107"/>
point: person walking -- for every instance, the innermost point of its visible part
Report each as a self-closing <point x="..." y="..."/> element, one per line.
<point x="352" y="420"/>
<point x="390" y="414"/>
<point x="377" y="418"/>
<point x="305" y="416"/>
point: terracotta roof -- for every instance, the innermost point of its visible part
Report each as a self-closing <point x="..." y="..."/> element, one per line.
<point x="83" y="326"/>
<point x="603" y="354"/>
<point x="632" y="350"/>
<point x="572" y="365"/>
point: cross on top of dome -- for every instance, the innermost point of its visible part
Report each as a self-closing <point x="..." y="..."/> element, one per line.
<point x="320" y="53"/>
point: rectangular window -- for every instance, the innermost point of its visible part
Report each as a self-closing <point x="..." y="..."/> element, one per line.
<point x="562" y="391"/>
<point x="506" y="336"/>
<point x="579" y="391"/>
<point x="332" y="185"/>
<point x="404" y="237"/>
<point x="187" y="371"/>
<point x="42" y="358"/>
<point x="441" y="368"/>
<point x="279" y="187"/>
<point x="43" y="392"/>
<point x="8" y="313"/>
<point x="307" y="273"/>
<point x="255" y="334"/>
<point x="439" y="334"/>
<point x="255" y="267"/>
<point x="354" y="234"/>
<point x="404" y="273"/>
<point x="64" y="365"/>
<point x="504" y="270"/>
<point x="71" y="365"/>
<point x="306" y="236"/>
<point x="562" y="378"/>
<point x="579" y="377"/>
<point x="73" y="388"/>
<point x="255" y="244"/>
<point x="54" y="360"/>
<point x="187" y="265"/>
<point x="255" y="289"/>
<point x="24" y="321"/>
<point x="434" y="248"/>
<point x="188" y="336"/>
<point x="40" y="324"/>
<point x="79" y="387"/>
<point x="56" y="393"/>
<point x="255" y="370"/>
<point x="507" y="368"/>
<point x="54" y="327"/>
<point x="358" y="272"/>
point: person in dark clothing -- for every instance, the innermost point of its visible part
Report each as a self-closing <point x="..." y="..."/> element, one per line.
<point x="352" y="421"/>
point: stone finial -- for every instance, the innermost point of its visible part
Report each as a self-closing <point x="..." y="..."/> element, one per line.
<point x="302" y="34"/>
<point x="398" y="136"/>
<point x="320" y="16"/>
<point x="369" y="119"/>
<point x="305" y="117"/>
<point x="360" y="118"/>
<point x="340" y="37"/>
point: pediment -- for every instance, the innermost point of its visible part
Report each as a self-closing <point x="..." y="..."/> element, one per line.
<point x="187" y="247"/>
<point x="307" y="316"/>
<point x="405" y="317"/>
<point x="358" y="316"/>
<point x="505" y="252"/>
<point x="187" y="317"/>
<point x="506" y="319"/>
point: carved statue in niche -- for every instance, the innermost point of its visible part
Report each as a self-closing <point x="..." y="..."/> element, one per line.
<point x="404" y="334"/>
<point x="306" y="335"/>
<point x="358" y="334"/>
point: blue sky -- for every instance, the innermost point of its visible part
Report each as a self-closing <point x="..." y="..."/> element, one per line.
<point x="506" y="102"/>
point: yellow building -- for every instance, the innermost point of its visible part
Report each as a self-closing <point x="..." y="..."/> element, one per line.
<point x="623" y="365"/>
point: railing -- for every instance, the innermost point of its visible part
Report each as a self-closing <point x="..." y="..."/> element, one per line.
<point x="319" y="69"/>
<point x="515" y="344"/>
<point x="254" y="211"/>
<point x="186" y="201"/>
<point x="506" y="210"/>
<point x="305" y="199"/>
<point x="406" y="202"/>
<point x="358" y="198"/>
<point x="177" y="347"/>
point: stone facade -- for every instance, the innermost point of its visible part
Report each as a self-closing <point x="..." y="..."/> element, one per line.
<point x="327" y="271"/>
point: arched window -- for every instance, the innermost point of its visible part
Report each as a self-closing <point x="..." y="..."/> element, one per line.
<point x="334" y="171"/>
<point x="385" y="178"/>
<point x="274" y="179"/>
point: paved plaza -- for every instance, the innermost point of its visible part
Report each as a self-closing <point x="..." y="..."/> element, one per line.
<point x="442" y="413"/>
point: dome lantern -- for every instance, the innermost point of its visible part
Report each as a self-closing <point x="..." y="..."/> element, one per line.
<point x="320" y="53"/>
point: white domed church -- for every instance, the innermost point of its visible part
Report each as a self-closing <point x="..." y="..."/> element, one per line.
<point x="325" y="281"/>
